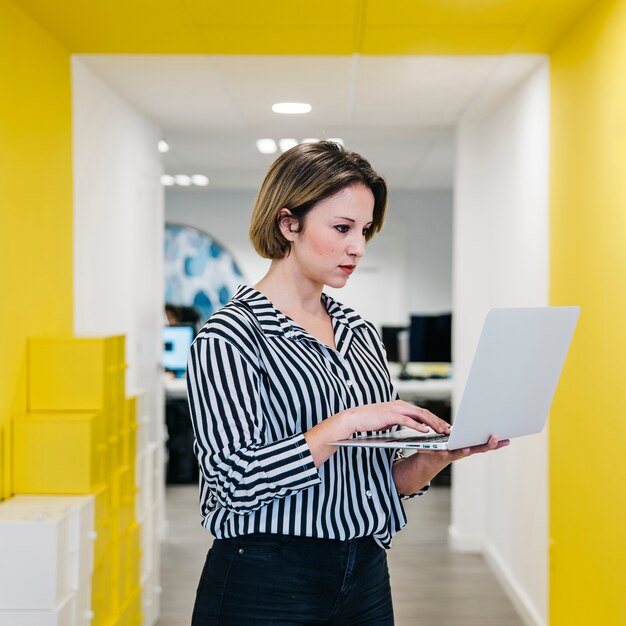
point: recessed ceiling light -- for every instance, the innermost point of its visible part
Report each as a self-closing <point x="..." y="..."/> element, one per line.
<point x="167" y="180"/>
<point x="287" y="143"/>
<point x="266" y="146"/>
<point x="200" y="180"/>
<point x="310" y="140"/>
<point x="163" y="146"/>
<point x="291" y="108"/>
<point x="336" y="140"/>
<point x="183" y="180"/>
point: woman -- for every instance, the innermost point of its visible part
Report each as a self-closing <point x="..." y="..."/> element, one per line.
<point x="301" y="526"/>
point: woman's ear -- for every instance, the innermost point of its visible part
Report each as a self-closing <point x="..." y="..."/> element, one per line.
<point x="287" y="224"/>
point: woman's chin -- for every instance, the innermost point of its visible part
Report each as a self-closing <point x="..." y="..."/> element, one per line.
<point x="337" y="282"/>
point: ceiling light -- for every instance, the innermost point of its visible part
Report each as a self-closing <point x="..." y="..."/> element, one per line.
<point x="336" y="140"/>
<point x="310" y="140"/>
<point x="167" y="180"/>
<point x="288" y="142"/>
<point x="200" y="180"/>
<point x="183" y="180"/>
<point x="291" y="108"/>
<point x="266" y="146"/>
<point x="163" y="146"/>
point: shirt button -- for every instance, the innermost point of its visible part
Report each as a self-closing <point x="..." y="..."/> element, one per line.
<point x="349" y="383"/>
<point x="368" y="493"/>
<point x="240" y="550"/>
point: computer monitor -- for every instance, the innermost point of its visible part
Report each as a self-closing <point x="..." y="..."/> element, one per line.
<point x="176" y="342"/>
<point x="430" y="338"/>
<point x="391" y="341"/>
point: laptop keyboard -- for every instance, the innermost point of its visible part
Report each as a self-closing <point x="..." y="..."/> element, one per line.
<point x="435" y="438"/>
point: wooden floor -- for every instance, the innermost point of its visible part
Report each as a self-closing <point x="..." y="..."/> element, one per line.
<point x="432" y="586"/>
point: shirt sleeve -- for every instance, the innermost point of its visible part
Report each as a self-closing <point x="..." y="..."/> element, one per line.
<point x="398" y="456"/>
<point x="242" y="469"/>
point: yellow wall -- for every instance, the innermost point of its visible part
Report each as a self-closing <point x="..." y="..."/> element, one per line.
<point x="588" y="267"/>
<point x="35" y="200"/>
<point x="320" y="27"/>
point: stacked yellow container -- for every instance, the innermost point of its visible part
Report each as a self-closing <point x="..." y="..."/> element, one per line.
<point x="78" y="437"/>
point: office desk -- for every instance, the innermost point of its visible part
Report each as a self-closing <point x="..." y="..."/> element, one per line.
<point x="409" y="390"/>
<point x="175" y="387"/>
<point x="434" y="389"/>
<point x="180" y="444"/>
<point x="182" y="466"/>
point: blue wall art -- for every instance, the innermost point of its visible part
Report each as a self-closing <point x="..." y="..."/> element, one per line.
<point x="199" y="271"/>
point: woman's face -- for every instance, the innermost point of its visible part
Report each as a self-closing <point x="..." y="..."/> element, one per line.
<point x="331" y="243"/>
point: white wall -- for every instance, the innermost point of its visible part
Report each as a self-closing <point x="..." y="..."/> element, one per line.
<point x="118" y="228"/>
<point x="408" y="264"/>
<point x="500" y="252"/>
<point x="428" y="216"/>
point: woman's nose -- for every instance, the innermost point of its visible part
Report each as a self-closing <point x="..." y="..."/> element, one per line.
<point x="357" y="247"/>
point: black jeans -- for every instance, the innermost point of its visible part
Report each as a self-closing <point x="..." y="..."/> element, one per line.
<point x="274" y="579"/>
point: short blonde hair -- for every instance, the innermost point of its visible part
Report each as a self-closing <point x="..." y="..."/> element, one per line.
<point x="299" y="179"/>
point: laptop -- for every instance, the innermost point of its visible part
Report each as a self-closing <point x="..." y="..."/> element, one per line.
<point x="511" y="383"/>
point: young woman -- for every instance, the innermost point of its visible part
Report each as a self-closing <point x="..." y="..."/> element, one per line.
<point x="301" y="526"/>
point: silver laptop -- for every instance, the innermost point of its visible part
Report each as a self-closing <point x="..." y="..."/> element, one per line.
<point x="510" y="386"/>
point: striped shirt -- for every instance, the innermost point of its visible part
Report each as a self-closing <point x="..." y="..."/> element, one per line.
<point x="256" y="383"/>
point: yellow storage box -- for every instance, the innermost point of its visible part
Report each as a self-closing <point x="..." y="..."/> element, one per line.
<point x="58" y="453"/>
<point x="122" y="499"/>
<point x="127" y="576"/>
<point x="75" y="373"/>
<point x="130" y="614"/>
<point x="114" y="456"/>
<point x="103" y="524"/>
<point x="129" y="447"/>
<point x="103" y="604"/>
<point x="131" y="565"/>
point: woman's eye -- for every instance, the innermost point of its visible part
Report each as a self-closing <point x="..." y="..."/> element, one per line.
<point x="342" y="228"/>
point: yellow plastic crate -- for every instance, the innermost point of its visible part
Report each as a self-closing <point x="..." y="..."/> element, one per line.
<point x="115" y="492"/>
<point x="123" y="497"/>
<point x="103" y="523"/>
<point x="131" y="426"/>
<point x="75" y="373"/>
<point x="129" y="446"/>
<point x="114" y="558"/>
<point x="102" y="601"/>
<point x="117" y="556"/>
<point x="58" y="453"/>
<point x="129" y="559"/>
<point x="130" y="614"/>
<point x="131" y="564"/>
<point x="130" y="406"/>
<point x="112" y="420"/>
<point x="114" y="457"/>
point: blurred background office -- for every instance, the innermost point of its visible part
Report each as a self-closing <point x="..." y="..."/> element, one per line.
<point x="130" y="132"/>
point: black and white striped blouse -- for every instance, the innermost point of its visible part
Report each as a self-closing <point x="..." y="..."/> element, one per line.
<point x="256" y="382"/>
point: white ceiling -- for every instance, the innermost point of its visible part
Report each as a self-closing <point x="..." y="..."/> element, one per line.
<point x="399" y="112"/>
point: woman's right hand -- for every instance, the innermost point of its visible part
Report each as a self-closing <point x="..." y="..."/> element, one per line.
<point x="368" y="417"/>
<point x="383" y="415"/>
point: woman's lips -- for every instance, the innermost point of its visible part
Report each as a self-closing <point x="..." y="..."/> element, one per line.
<point x="348" y="269"/>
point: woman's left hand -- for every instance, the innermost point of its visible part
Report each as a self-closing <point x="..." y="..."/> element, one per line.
<point x="449" y="456"/>
<point x="416" y="471"/>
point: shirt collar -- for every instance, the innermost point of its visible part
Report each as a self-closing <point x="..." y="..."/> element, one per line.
<point x="274" y="322"/>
